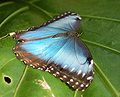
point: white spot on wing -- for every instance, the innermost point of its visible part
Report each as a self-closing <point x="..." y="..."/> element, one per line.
<point x="80" y="18"/>
<point x="47" y="70"/>
<point x="25" y="62"/>
<point x="71" y="80"/>
<point x="73" y="86"/>
<point x="14" y="48"/>
<point x="52" y="68"/>
<point x="80" y="71"/>
<point x="91" y="62"/>
<point x="65" y="66"/>
<point x="83" y="75"/>
<point x="48" y="21"/>
<point x="68" y="83"/>
<point x="17" y="55"/>
<point x="54" y="19"/>
<point x="64" y="76"/>
<point x="89" y="78"/>
<point x="86" y="85"/>
<point x="54" y="74"/>
<point x="69" y="12"/>
<point x="61" y="78"/>
<point x="76" y="83"/>
<point x="91" y="65"/>
<point x="57" y="73"/>
<point x="73" y="13"/>
<point x="65" y="13"/>
<point x="58" y="16"/>
<point x="72" y="69"/>
<point x="83" y="90"/>
<point x="82" y="85"/>
<point x="33" y="66"/>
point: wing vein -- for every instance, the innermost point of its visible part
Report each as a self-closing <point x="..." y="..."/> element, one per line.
<point x="75" y="51"/>
<point x="61" y="48"/>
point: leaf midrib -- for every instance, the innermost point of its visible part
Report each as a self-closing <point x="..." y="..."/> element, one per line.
<point x="6" y="3"/>
<point x="20" y="81"/>
<point x="101" y="45"/>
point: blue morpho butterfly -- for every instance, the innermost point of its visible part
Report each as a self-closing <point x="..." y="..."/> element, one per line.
<point x="55" y="47"/>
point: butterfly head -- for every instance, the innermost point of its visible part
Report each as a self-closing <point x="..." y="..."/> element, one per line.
<point x="73" y="16"/>
<point x="76" y="16"/>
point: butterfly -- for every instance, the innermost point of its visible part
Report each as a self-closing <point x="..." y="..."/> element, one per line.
<point x="55" y="47"/>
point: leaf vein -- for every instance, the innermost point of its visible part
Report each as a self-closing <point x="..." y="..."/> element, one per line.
<point x="100" y="18"/>
<point x="7" y="62"/>
<point x="106" y="82"/>
<point x="20" y="81"/>
<point x="12" y="15"/>
<point x="101" y="45"/>
<point x="6" y="3"/>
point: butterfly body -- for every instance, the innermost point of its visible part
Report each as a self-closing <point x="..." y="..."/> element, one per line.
<point x="56" y="48"/>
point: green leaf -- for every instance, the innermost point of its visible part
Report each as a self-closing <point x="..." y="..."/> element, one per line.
<point x="101" y="33"/>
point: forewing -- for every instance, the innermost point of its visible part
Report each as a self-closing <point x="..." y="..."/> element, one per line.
<point x="67" y="22"/>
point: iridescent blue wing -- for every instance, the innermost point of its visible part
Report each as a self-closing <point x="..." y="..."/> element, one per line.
<point x="65" y="56"/>
<point x="67" y="22"/>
